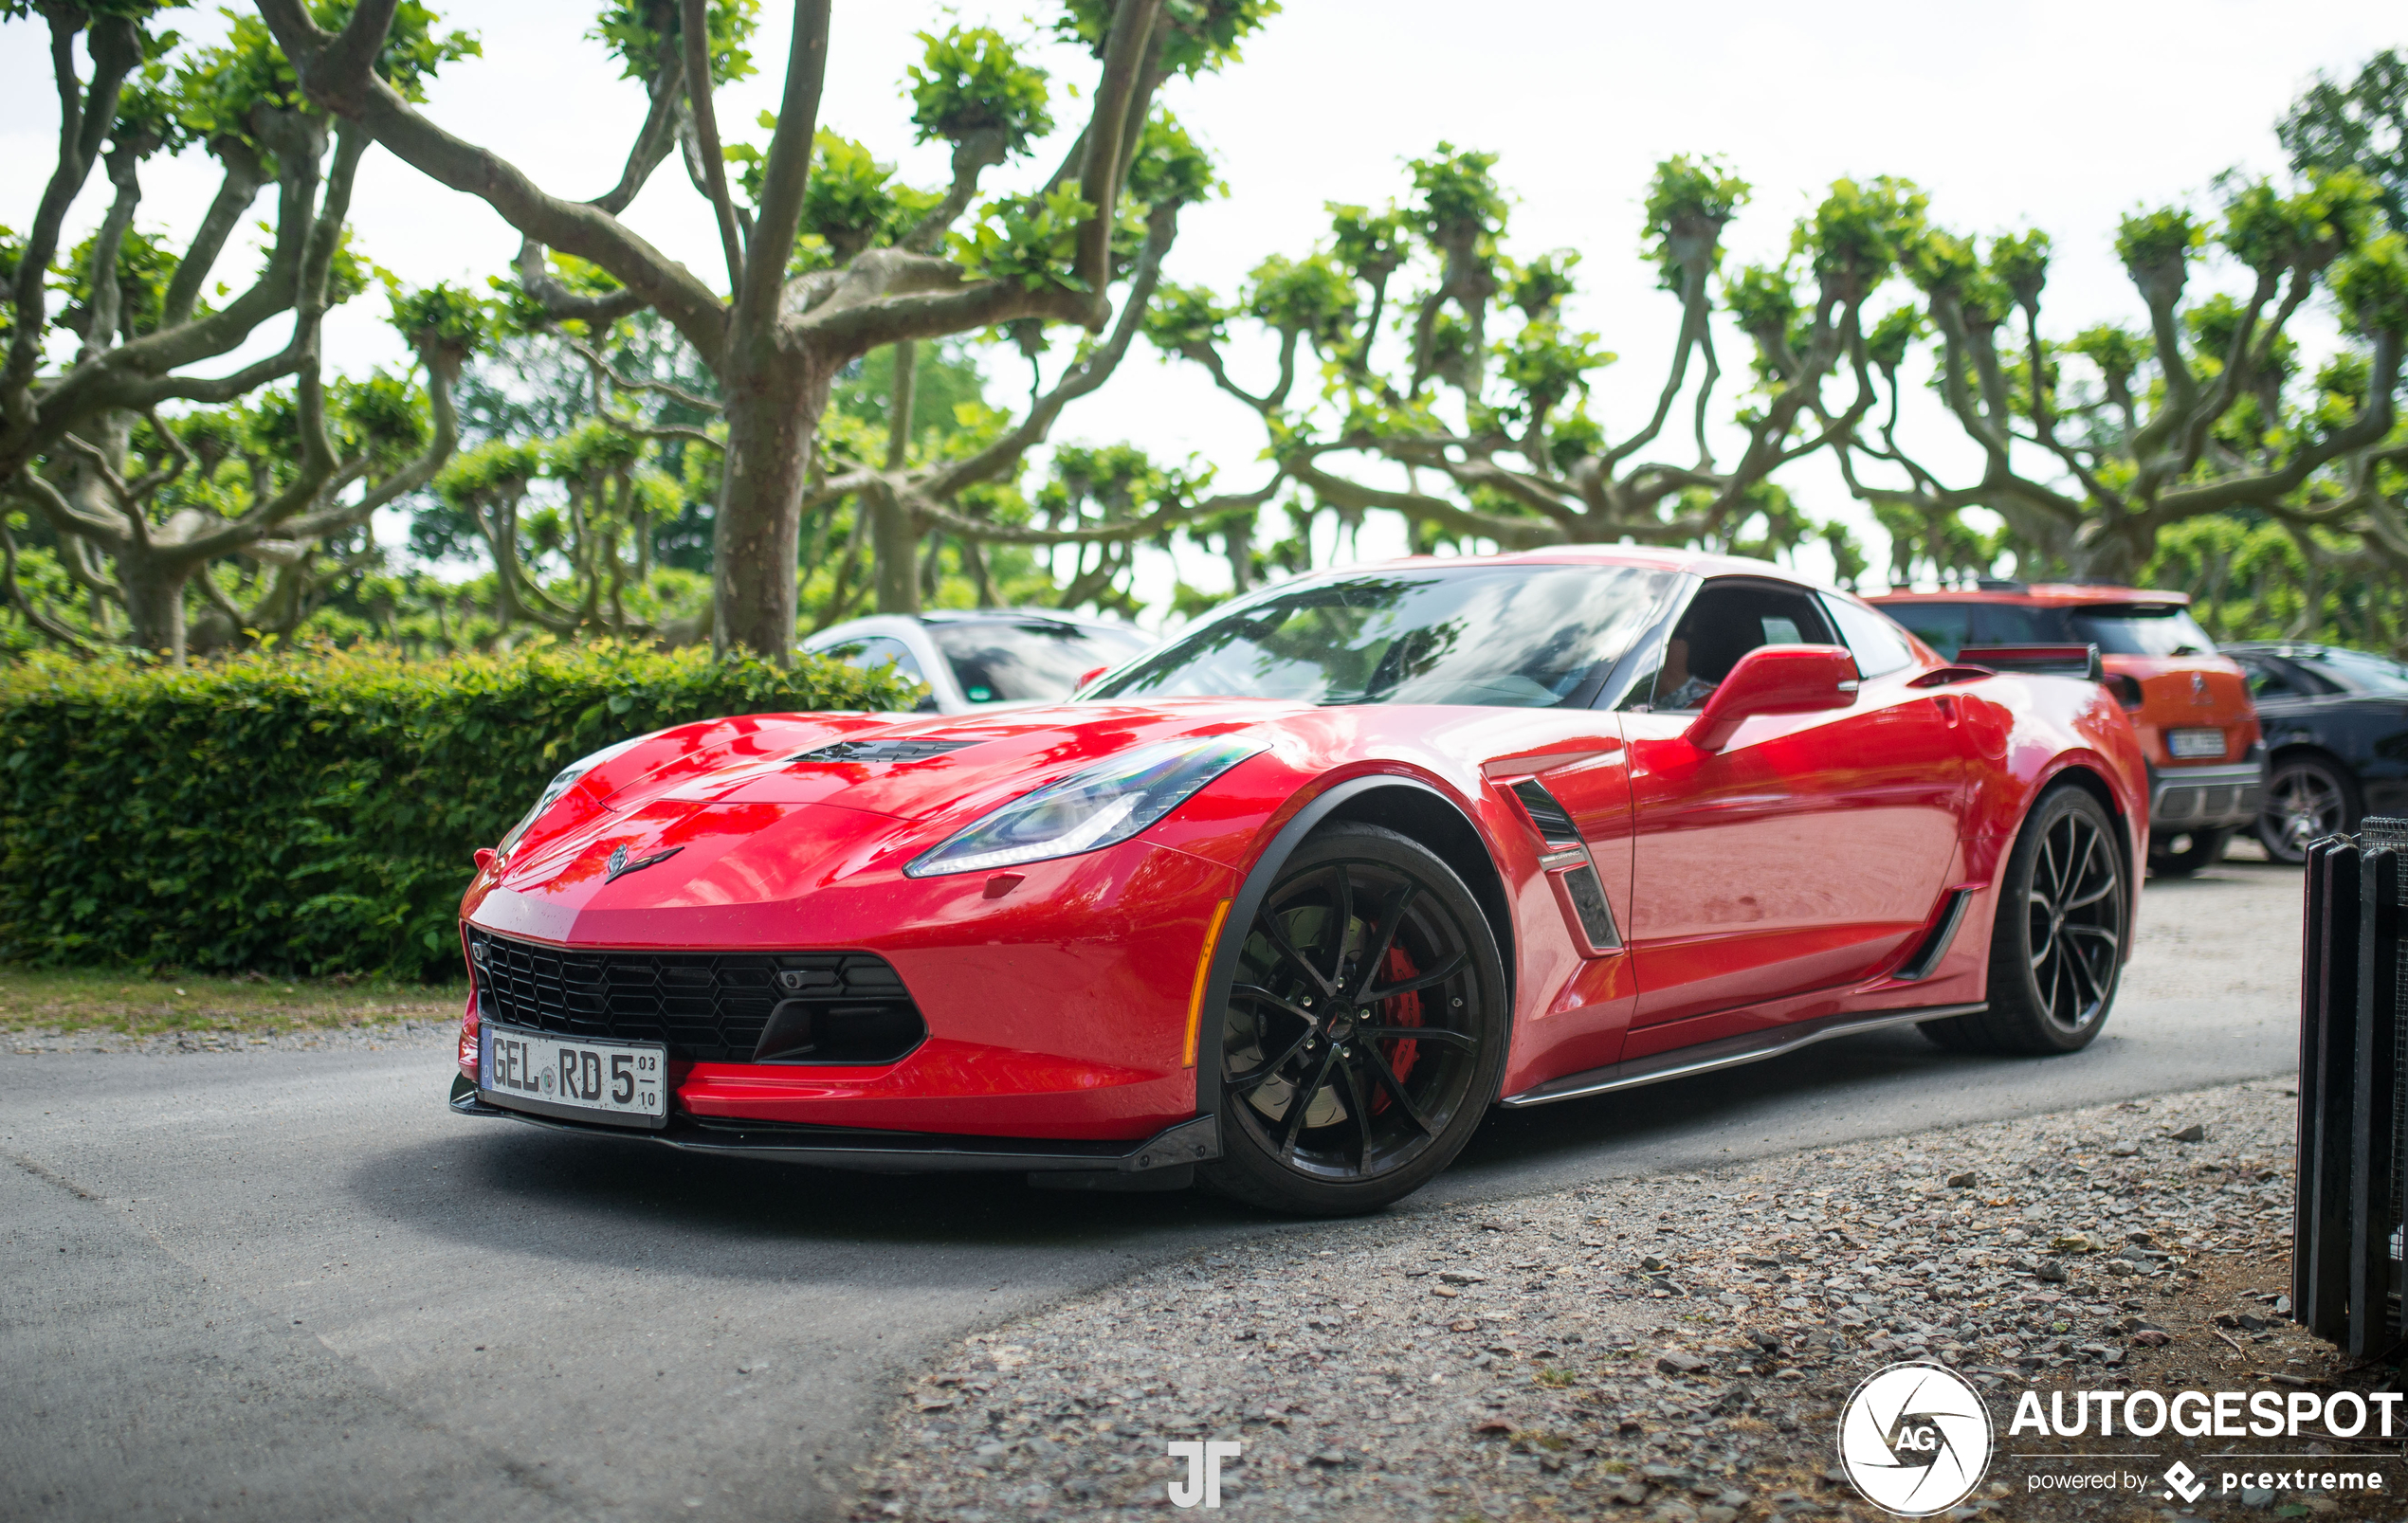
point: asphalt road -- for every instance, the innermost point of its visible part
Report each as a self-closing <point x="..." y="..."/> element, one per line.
<point x="290" y="1285"/>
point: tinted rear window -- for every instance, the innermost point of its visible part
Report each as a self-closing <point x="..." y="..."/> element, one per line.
<point x="2142" y="629"/>
<point x="1949" y="628"/>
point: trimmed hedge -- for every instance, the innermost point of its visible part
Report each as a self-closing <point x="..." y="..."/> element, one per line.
<point x="314" y="813"/>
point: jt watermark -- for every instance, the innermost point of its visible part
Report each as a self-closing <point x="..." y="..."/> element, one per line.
<point x="1203" y="1482"/>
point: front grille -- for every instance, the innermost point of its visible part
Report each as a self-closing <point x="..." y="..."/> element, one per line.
<point x="709" y="1006"/>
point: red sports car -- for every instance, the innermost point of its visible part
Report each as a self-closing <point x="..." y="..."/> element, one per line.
<point x="1288" y="903"/>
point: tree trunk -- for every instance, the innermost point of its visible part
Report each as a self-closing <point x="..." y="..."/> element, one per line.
<point x="895" y="548"/>
<point x="757" y="540"/>
<point x="154" y="589"/>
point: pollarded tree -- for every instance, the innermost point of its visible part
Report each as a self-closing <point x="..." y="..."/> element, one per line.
<point x="882" y="271"/>
<point x="1474" y="380"/>
<point x="139" y="322"/>
<point x="2093" y="445"/>
<point x="138" y="521"/>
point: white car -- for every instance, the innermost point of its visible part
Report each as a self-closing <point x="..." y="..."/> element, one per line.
<point x="983" y="658"/>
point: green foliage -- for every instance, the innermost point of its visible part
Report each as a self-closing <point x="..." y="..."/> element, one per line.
<point x="443" y="320"/>
<point x="2157" y="246"/>
<point x="1185" y="317"/>
<point x="1859" y="233"/>
<point x="382" y="416"/>
<point x="852" y="200"/>
<point x="1458" y="192"/>
<point x="1310" y="296"/>
<point x="1168" y="166"/>
<point x="2362" y="125"/>
<point x="1370" y="244"/>
<point x="314" y="815"/>
<point x="218" y="86"/>
<point x="1204" y="34"/>
<point x="1029" y="238"/>
<point x="1546" y="362"/>
<point x="633" y="33"/>
<point x="145" y="266"/>
<point x="1688" y="203"/>
<point x="2371" y="287"/>
<point x="2019" y="263"/>
<point x="972" y="80"/>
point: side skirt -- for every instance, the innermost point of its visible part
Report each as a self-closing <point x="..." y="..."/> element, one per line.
<point x="1728" y="1053"/>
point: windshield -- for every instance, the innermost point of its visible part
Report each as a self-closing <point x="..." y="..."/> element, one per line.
<point x="2142" y="629"/>
<point x="1520" y="637"/>
<point x="1013" y="661"/>
<point x="2357" y="669"/>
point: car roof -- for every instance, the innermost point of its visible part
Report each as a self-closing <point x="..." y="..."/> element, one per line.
<point x="2039" y="594"/>
<point x="896" y="623"/>
<point x="1695" y="562"/>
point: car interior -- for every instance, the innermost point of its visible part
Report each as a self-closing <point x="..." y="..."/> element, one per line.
<point x="1725" y="621"/>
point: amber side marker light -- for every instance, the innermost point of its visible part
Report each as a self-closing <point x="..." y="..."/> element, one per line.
<point x="1203" y="976"/>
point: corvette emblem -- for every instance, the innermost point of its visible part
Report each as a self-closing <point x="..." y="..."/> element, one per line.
<point x="2199" y="695"/>
<point x="620" y="866"/>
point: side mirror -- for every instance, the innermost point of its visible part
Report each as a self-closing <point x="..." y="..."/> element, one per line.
<point x="1085" y="678"/>
<point x="1775" y="679"/>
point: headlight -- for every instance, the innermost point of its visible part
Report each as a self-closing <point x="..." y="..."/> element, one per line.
<point x="1107" y="804"/>
<point x="567" y="780"/>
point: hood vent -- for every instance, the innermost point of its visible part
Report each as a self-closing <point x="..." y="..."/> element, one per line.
<point x="882" y="751"/>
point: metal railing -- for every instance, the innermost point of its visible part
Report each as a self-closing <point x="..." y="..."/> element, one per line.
<point x="2352" y="1198"/>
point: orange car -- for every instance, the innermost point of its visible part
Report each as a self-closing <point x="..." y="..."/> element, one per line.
<point x="2190" y="706"/>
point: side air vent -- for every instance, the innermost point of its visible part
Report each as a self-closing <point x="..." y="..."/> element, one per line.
<point x="1588" y="902"/>
<point x="1553" y="820"/>
<point x="1935" y="946"/>
<point x="883" y="751"/>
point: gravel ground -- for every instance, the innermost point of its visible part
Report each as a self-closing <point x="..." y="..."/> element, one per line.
<point x="372" y="1034"/>
<point x="1671" y="1348"/>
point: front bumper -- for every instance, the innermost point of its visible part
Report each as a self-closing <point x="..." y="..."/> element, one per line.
<point x="1163" y="1161"/>
<point x="2205" y="798"/>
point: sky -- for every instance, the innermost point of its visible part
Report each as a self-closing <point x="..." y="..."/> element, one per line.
<point x="2063" y="114"/>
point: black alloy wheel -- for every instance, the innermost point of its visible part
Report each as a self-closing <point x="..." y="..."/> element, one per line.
<point x="1365" y="1033"/>
<point x="2056" y="946"/>
<point x="2183" y="853"/>
<point x="2306" y="799"/>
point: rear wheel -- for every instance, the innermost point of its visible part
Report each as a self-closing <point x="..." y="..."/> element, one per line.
<point x="2187" y="852"/>
<point x="1366" y="1030"/>
<point x="2056" y="946"/>
<point x="2306" y="798"/>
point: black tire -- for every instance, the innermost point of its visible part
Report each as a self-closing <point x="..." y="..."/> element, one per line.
<point x="2056" y="946"/>
<point x="2197" y="849"/>
<point x="1361" y="922"/>
<point x="2306" y="798"/>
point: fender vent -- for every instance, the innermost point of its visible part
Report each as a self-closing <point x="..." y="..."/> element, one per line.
<point x="1553" y="820"/>
<point x="1588" y="902"/>
<point x="1935" y="946"/>
<point x="883" y="751"/>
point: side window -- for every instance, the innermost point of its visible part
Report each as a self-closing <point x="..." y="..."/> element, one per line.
<point x="1725" y="621"/>
<point x="1873" y="637"/>
<point x="2267" y="681"/>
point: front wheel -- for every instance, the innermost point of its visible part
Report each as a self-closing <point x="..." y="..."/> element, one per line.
<point x="1366" y="1030"/>
<point x="2056" y="947"/>
<point x="2306" y="800"/>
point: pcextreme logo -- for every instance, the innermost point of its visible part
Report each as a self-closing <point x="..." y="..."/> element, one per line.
<point x="1915" y="1438"/>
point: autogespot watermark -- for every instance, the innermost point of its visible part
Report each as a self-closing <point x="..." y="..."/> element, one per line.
<point x="1203" y="1482"/>
<point x="1916" y="1439"/>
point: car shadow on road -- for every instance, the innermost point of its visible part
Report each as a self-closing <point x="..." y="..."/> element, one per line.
<point x="627" y="1202"/>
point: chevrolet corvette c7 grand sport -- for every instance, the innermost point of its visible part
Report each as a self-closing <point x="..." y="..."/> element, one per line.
<point x="1288" y="903"/>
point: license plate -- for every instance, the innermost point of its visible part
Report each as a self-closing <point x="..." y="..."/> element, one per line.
<point x="580" y="1078"/>
<point x="2195" y="743"/>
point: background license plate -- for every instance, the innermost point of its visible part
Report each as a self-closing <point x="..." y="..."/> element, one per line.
<point x="2195" y="742"/>
<point x="618" y="1083"/>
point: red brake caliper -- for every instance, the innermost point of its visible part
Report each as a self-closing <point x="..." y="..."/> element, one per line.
<point x="1402" y="1009"/>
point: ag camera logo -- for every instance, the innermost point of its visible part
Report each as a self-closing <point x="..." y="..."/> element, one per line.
<point x="1915" y="1437"/>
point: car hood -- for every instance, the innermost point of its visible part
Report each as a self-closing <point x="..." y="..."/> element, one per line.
<point x="768" y="806"/>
